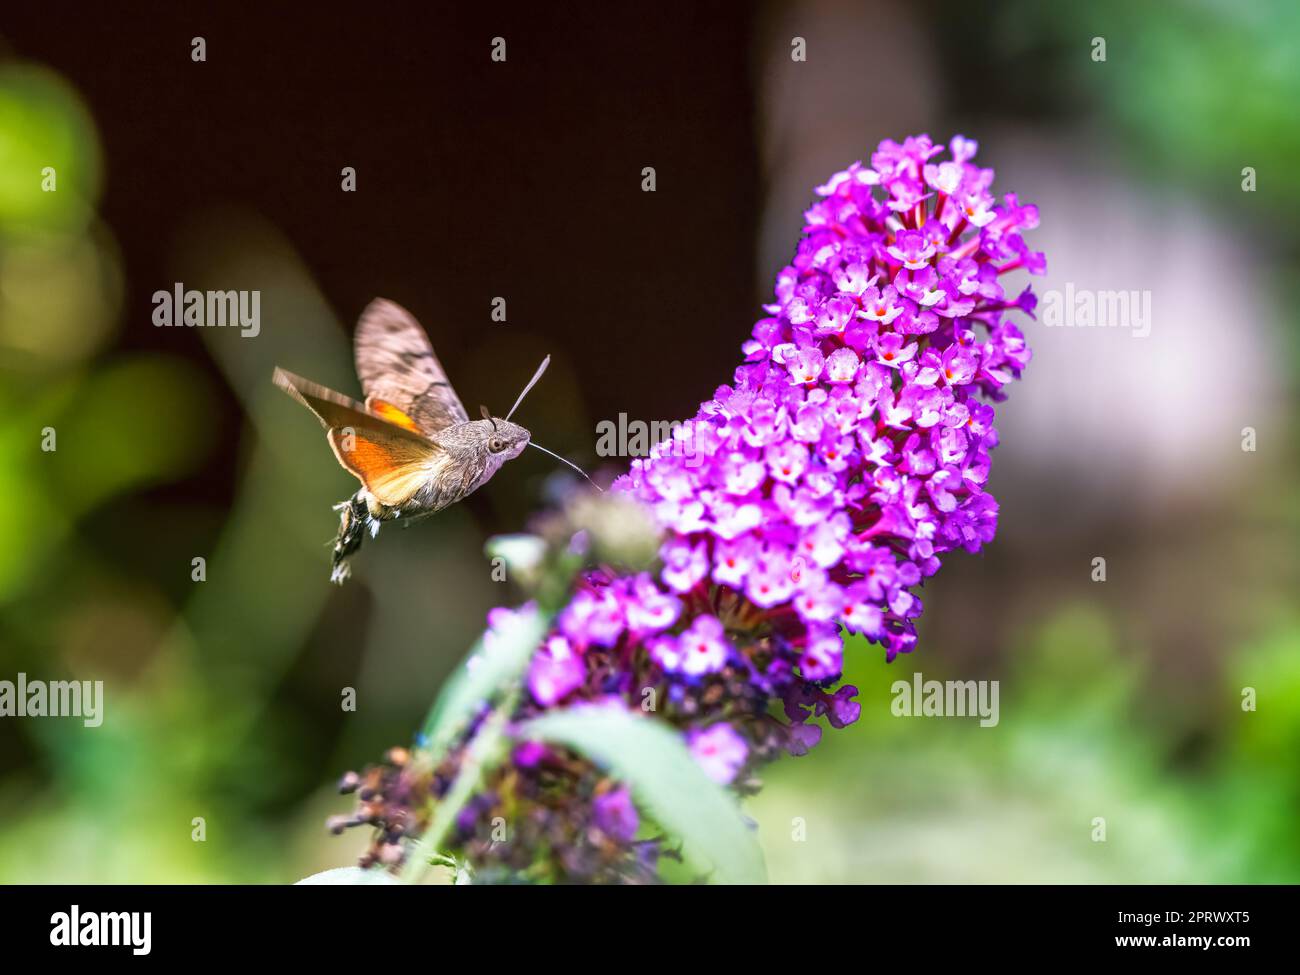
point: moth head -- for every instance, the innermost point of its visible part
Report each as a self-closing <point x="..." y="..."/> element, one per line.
<point x="504" y="440"/>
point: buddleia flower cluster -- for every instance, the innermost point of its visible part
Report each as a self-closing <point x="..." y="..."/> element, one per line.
<point x="808" y="499"/>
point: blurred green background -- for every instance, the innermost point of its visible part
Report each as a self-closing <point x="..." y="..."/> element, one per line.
<point x="1119" y="700"/>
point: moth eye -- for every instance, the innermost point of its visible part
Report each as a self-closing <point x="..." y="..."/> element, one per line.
<point x="495" y="445"/>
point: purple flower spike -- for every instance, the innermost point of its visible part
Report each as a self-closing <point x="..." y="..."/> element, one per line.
<point x="805" y="501"/>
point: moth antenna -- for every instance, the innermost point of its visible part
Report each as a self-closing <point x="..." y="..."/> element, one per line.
<point x="531" y="383"/>
<point x="488" y="416"/>
<point x="562" y="460"/>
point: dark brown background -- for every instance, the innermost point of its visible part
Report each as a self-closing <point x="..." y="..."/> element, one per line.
<point x="475" y="179"/>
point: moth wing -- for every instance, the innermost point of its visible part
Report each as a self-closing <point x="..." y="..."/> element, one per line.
<point x="333" y="409"/>
<point x="400" y="372"/>
<point x="388" y="457"/>
<point x="393" y="467"/>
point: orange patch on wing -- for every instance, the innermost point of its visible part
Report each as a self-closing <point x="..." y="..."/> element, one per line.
<point x="392" y="467"/>
<point x="387" y="411"/>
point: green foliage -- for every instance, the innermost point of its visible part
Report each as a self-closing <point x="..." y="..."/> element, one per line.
<point x="1202" y="89"/>
<point x="43" y="123"/>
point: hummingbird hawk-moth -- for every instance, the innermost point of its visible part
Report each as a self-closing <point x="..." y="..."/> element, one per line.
<point x="410" y="444"/>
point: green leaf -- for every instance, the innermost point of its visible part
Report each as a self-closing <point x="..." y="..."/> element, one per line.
<point x="652" y="758"/>
<point x="348" y="877"/>
<point x="497" y="660"/>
